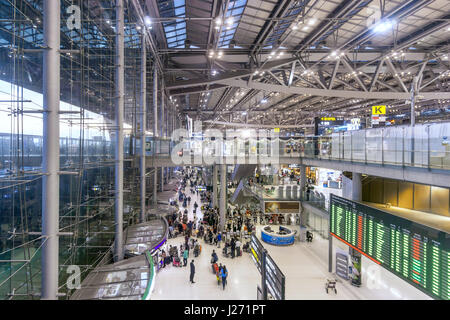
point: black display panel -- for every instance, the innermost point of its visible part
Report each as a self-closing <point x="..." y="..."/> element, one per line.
<point x="418" y="254"/>
<point x="274" y="278"/>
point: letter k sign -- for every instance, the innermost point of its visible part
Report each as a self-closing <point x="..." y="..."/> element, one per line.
<point x="379" y="110"/>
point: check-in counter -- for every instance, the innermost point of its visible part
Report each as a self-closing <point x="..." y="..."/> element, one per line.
<point x="282" y="237"/>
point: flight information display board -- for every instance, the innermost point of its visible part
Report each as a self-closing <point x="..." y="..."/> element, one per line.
<point x="417" y="253"/>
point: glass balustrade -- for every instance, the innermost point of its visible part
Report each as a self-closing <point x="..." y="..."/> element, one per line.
<point x="425" y="145"/>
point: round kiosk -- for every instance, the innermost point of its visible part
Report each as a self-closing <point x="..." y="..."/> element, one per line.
<point x="283" y="237"/>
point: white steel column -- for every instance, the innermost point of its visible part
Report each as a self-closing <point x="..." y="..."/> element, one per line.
<point x="50" y="154"/>
<point x="302" y="179"/>
<point x="414" y="89"/>
<point x="119" y="92"/>
<point x="223" y="196"/>
<point x="162" y="132"/>
<point x="356" y="187"/>
<point x="155" y="130"/>
<point x="143" y="125"/>
<point x="214" y="185"/>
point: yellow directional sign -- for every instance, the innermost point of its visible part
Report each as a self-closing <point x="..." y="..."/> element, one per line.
<point x="379" y="110"/>
<point x="276" y="130"/>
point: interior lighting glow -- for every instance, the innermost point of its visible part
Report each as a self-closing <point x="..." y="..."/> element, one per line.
<point x="312" y="21"/>
<point x="148" y="21"/>
<point x="383" y="26"/>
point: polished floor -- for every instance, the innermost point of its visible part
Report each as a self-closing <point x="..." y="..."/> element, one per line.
<point x="305" y="266"/>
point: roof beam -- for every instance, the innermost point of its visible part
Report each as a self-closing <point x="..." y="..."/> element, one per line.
<point x="395" y="74"/>
<point x="336" y="67"/>
<point x="249" y="125"/>
<point x="386" y="95"/>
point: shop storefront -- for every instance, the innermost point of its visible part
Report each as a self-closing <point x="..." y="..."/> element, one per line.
<point x="328" y="178"/>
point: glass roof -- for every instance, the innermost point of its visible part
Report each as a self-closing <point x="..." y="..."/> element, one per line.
<point x="175" y="30"/>
<point x="283" y="25"/>
<point x="235" y="10"/>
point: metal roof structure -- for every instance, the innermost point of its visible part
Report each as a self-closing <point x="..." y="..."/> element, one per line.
<point x="360" y="48"/>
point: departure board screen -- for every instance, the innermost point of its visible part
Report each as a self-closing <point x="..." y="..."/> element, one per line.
<point x="417" y="253"/>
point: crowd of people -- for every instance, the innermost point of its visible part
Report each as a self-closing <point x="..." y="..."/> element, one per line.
<point x="180" y="224"/>
<point x="239" y="223"/>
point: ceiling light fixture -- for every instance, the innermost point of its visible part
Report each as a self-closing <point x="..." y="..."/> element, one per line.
<point x="383" y="26"/>
<point x="148" y="22"/>
<point x="312" y="21"/>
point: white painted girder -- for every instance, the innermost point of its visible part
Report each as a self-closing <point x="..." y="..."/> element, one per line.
<point x="385" y="95"/>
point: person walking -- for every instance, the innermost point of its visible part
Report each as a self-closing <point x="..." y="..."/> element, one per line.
<point x="191" y="277"/>
<point x="185" y="256"/>
<point x="233" y="246"/>
<point x="238" y="248"/>
<point x="219" y="238"/>
<point x="224" y="275"/>
<point x="163" y="258"/>
<point x="214" y="257"/>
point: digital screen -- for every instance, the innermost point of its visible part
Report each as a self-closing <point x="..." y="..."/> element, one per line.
<point x="418" y="254"/>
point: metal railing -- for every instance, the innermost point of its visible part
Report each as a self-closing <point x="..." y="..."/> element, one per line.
<point x="424" y="145"/>
<point x="270" y="193"/>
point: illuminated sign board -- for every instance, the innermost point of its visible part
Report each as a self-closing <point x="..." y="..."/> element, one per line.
<point x="416" y="253"/>
<point x="379" y="110"/>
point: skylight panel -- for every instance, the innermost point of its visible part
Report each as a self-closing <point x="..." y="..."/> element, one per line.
<point x="235" y="10"/>
<point x="175" y="30"/>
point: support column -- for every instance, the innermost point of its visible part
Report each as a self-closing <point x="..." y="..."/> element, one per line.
<point x="414" y="89"/>
<point x="50" y="154"/>
<point x="330" y="253"/>
<point x="302" y="180"/>
<point x="356" y="187"/>
<point x="214" y="185"/>
<point x="162" y="128"/>
<point x="120" y="84"/>
<point x="161" y="186"/>
<point x="223" y="196"/>
<point x="275" y="175"/>
<point x="155" y="130"/>
<point x="143" y="125"/>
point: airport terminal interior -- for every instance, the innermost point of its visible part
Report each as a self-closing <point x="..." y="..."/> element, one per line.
<point x="224" y="150"/>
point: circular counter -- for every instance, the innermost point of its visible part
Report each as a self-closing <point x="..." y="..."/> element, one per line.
<point x="282" y="237"/>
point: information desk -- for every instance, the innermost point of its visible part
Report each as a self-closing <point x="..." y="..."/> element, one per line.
<point x="282" y="237"/>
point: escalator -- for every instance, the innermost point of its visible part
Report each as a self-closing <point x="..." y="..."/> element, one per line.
<point x="243" y="170"/>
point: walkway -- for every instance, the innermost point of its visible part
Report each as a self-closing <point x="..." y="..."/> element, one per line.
<point x="305" y="266"/>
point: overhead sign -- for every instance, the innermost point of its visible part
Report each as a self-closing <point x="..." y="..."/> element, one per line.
<point x="377" y="119"/>
<point x="379" y="110"/>
<point x="328" y="119"/>
<point x="276" y="130"/>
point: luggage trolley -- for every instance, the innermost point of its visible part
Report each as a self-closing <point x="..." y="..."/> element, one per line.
<point x="331" y="284"/>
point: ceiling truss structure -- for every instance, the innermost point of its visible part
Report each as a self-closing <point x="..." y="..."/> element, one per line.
<point x="323" y="73"/>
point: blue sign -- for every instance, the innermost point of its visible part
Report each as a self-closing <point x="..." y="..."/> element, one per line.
<point x="277" y="240"/>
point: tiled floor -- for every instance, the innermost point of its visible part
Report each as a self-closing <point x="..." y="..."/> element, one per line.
<point x="305" y="266"/>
